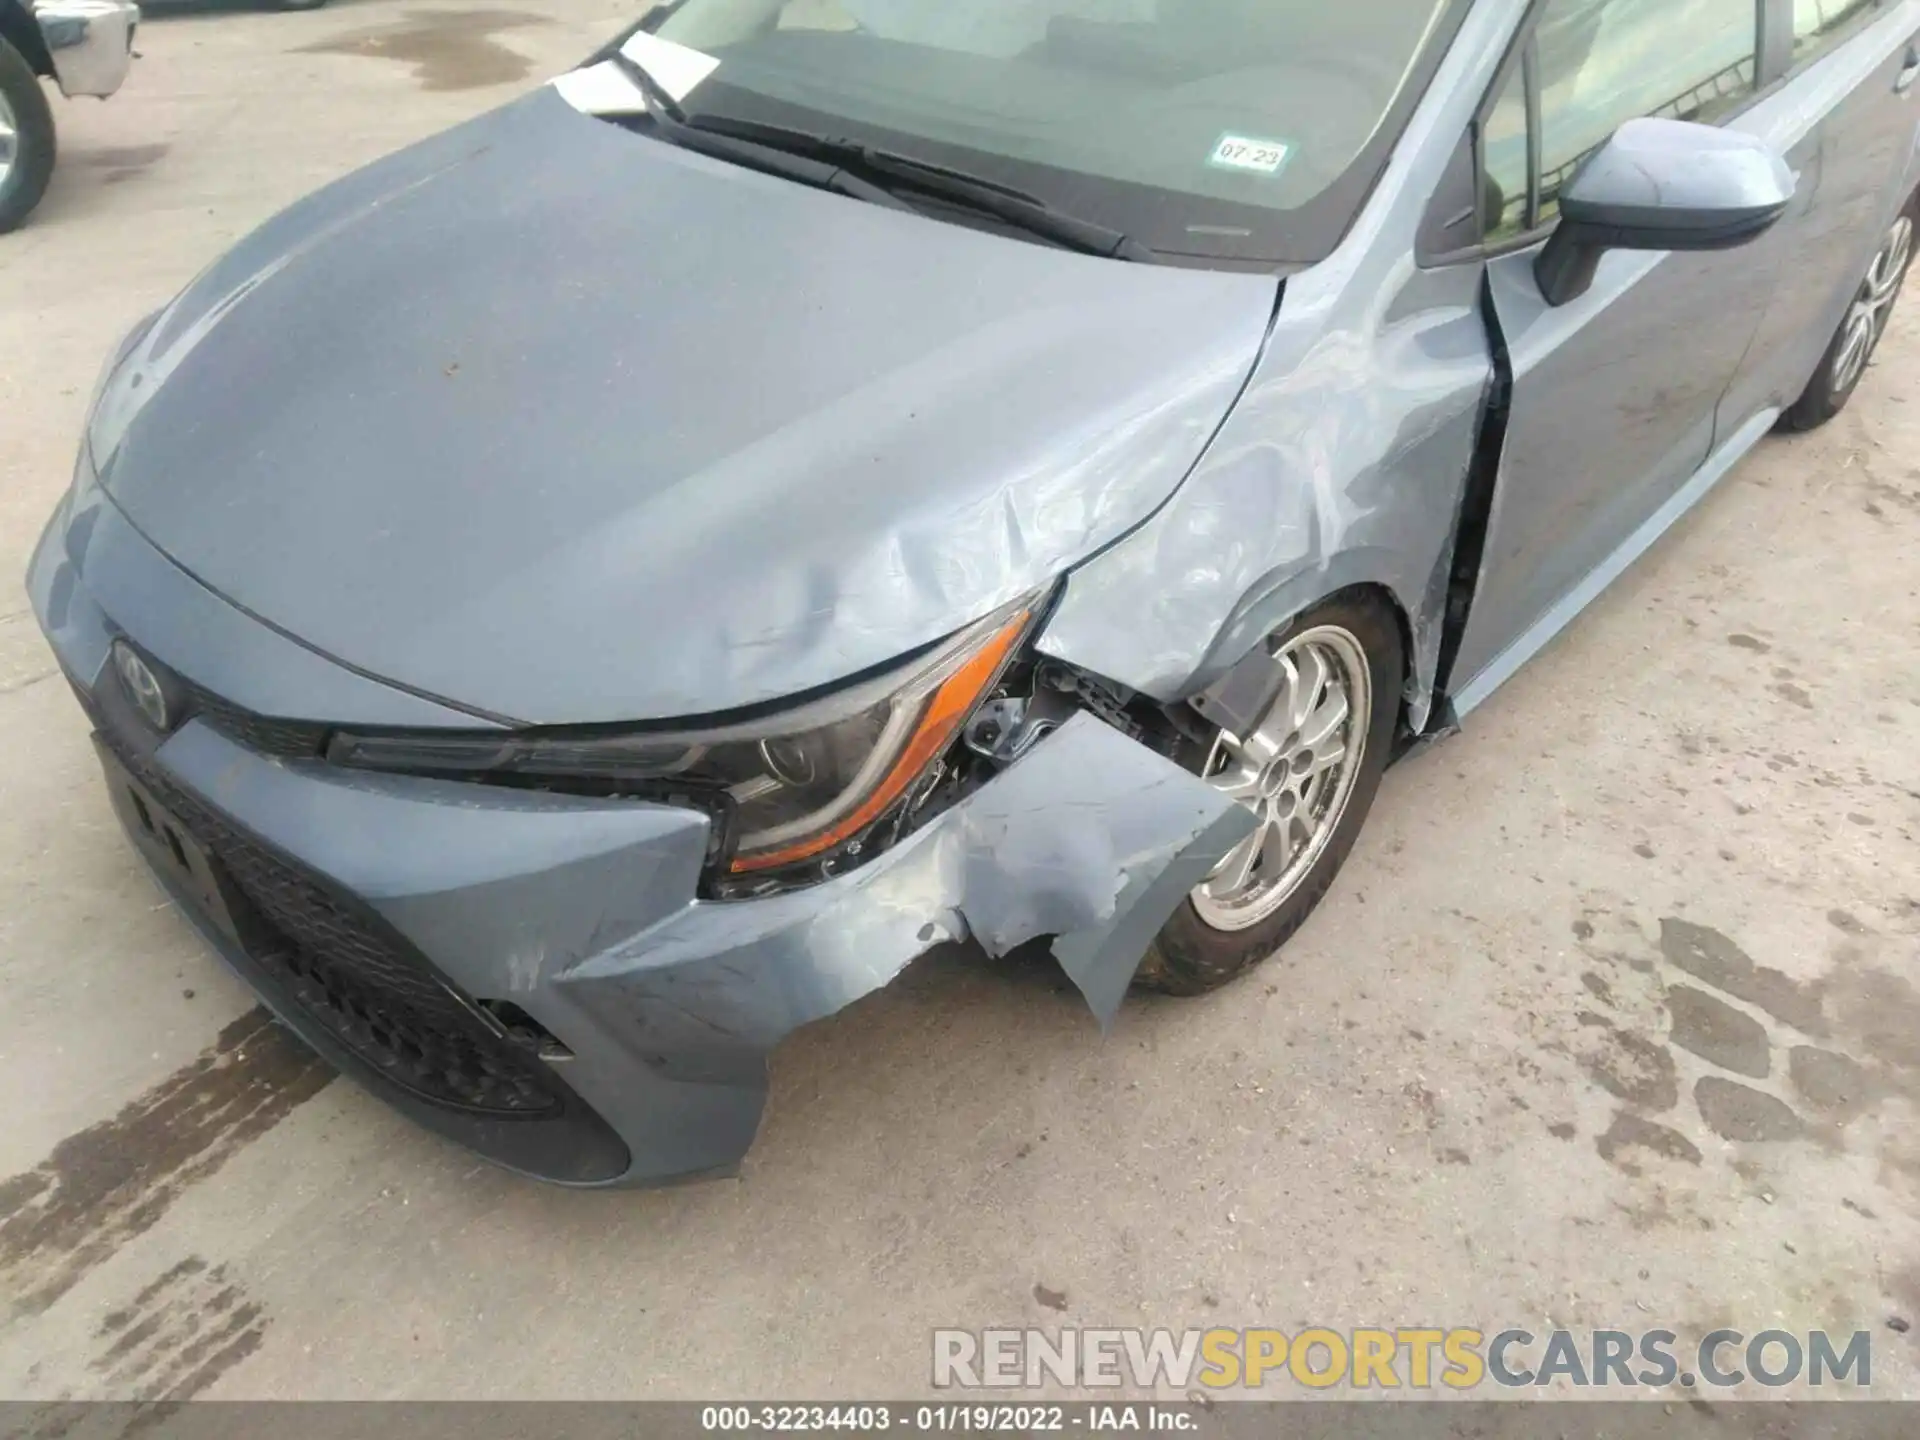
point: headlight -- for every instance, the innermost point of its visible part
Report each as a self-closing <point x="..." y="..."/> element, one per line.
<point x="785" y="790"/>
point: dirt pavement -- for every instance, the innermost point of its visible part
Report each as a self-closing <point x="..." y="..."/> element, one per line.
<point x="1610" y="1021"/>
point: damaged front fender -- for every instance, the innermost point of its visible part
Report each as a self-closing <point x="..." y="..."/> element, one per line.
<point x="1091" y="839"/>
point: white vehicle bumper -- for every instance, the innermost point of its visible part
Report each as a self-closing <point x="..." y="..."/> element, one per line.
<point x="91" y="42"/>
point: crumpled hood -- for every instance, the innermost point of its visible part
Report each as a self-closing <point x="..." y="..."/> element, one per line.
<point x="562" y="424"/>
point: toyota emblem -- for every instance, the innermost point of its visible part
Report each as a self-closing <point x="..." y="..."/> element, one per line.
<point x="142" y="685"/>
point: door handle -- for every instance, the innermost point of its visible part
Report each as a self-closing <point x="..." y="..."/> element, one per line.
<point x="1909" y="72"/>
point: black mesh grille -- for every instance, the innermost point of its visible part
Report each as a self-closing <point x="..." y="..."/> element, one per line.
<point x="362" y="985"/>
<point x="284" y="739"/>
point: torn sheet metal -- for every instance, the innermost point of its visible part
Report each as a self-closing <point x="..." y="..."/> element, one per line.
<point x="582" y="913"/>
<point x="1093" y="840"/>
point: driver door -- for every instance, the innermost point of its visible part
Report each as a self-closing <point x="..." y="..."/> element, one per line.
<point x="1614" y="393"/>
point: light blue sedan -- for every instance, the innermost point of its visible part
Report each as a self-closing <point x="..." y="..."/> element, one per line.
<point x="571" y="603"/>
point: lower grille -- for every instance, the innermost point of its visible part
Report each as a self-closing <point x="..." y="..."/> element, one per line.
<point x="356" y="980"/>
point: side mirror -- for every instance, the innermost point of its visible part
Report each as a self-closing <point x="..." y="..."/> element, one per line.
<point x="1662" y="185"/>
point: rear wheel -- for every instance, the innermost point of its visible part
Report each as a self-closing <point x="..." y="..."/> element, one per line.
<point x="26" y="138"/>
<point x="1860" y="330"/>
<point x="1308" y="770"/>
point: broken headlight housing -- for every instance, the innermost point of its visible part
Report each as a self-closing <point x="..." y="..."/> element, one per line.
<point x="793" y="795"/>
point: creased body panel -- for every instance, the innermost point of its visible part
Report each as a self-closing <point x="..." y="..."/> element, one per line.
<point x="1345" y="461"/>
<point x="566" y="425"/>
<point x="1344" y="464"/>
<point x="583" y="913"/>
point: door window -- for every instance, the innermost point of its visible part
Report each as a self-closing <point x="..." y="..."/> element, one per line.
<point x="1819" y="25"/>
<point x="1607" y="62"/>
<point x="1594" y="64"/>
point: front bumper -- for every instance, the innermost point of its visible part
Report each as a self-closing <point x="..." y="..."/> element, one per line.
<point x="386" y="918"/>
<point x="91" y="42"/>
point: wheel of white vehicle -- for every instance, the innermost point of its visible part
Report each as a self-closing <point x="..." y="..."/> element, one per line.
<point x="26" y="138"/>
<point x="1860" y="329"/>
<point x="1308" y="770"/>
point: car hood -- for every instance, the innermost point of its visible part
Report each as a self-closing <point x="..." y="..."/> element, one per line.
<point x="561" y="424"/>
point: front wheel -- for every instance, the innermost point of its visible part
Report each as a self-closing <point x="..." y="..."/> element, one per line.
<point x="1308" y="770"/>
<point x="26" y="138"/>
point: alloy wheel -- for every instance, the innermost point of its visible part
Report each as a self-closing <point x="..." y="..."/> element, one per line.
<point x="9" y="139"/>
<point x="1867" y="317"/>
<point x="1295" y="770"/>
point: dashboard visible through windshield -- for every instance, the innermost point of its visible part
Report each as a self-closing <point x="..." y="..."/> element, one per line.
<point x="1231" y="129"/>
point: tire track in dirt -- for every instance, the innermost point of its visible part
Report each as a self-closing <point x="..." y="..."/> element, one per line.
<point x="183" y="1331"/>
<point x="108" y="1183"/>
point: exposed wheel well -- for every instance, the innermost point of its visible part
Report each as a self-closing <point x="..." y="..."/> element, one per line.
<point x="1226" y="702"/>
<point x="1407" y="659"/>
<point x="1373" y="590"/>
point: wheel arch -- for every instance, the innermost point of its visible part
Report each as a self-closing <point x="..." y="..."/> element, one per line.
<point x="20" y="30"/>
<point x="1273" y="610"/>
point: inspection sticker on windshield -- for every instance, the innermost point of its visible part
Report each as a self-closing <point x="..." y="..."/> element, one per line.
<point x="1243" y="152"/>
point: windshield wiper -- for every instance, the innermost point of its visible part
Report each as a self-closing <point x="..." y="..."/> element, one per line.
<point x="659" y="99"/>
<point x="671" y="120"/>
<point x="850" y="168"/>
<point x="973" y="192"/>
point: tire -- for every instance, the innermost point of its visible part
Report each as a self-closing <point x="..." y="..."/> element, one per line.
<point x="31" y="120"/>
<point x="1840" y="373"/>
<point x="1205" y="945"/>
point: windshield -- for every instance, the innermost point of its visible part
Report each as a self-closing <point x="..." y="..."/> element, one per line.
<point x="1248" y="129"/>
